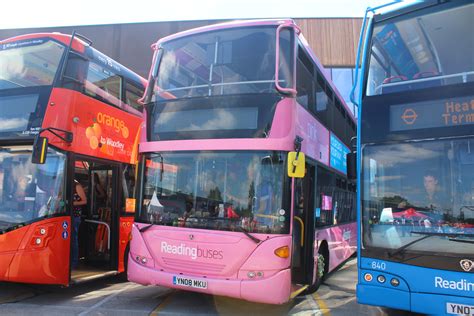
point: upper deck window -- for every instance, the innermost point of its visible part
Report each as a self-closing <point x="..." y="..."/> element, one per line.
<point x="232" y="61"/>
<point x="29" y="63"/>
<point x="422" y="51"/>
<point x="132" y="94"/>
<point x="103" y="84"/>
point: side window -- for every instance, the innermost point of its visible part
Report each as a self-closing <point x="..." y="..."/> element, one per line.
<point x="75" y="72"/>
<point x="304" y="79"/>
<point x="331" y="108"/>
<point x="344" y="208"/>
<point x="128" y="189"/>
<point x="322" y="102"/>
<point x="339" y="120"/>
<point x="132" y="94"/>
<point x="103" y="84"/>
<point x="325" y="198"/>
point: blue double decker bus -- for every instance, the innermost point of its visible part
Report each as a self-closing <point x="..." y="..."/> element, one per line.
<point x="415" y="159"/>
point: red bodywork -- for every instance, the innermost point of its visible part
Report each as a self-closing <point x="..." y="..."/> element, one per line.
<point x="99" y="130"/>
<point x="37" y="253"/>
<point x="116" y="138"/>
<point x="125" y="233"/>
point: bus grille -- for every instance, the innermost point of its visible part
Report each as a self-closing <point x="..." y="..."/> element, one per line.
<point x="193" y="266"/>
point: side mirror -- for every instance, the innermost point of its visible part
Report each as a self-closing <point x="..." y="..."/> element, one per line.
<point x="296" y="164"/>
<point x="351" y="165"/>
<point x="40" y="149"/>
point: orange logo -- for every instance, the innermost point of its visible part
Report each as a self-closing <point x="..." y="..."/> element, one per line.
<point x="93" y="133"/>
<point x="106" y="144"/>
<point x="117" y="124"/>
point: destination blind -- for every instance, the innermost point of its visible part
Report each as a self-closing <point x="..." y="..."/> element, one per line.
<point x="429" y="114"/>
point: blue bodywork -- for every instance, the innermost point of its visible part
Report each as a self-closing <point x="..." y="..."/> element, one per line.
<point x="419" y="289"/>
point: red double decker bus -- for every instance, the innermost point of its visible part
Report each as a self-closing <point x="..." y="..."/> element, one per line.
<point x="58" y="88"/>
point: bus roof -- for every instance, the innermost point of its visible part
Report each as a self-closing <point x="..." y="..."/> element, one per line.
<point x="404" y="9"/>
<point x="80" y="46"/>
<point x="225" y="25"/>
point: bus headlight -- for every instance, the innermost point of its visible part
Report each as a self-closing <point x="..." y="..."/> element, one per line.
<point x="395" y="282"/>
<point x="381" y="279"/>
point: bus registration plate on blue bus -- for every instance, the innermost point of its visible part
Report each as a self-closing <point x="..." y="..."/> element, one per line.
<point x="459" y="309"/>
<point x="188" y="282"/>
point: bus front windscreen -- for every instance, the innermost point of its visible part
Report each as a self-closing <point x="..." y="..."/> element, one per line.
<point x="425" y="49"/>
<point x="29" y="191"/>
<point x="418" y="197"/>
<point x="215" y="190"/>
<point x="29" y="63"/>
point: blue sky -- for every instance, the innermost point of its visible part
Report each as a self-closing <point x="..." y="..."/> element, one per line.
<point x="47" y="13"/>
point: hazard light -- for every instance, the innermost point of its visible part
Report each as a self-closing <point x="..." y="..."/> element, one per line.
<point x="282" y="252"/>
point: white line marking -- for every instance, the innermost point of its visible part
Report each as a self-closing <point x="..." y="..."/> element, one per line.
<point x="105" y="300"/>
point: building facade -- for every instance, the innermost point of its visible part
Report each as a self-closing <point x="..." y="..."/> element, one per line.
<point x="334" y="41"/>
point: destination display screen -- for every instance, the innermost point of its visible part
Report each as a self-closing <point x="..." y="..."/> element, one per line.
<point x="429" y="114"/>
<point x="338" y="155"/>
<point x="18" y="115"/>
<point x="207" y="119"/>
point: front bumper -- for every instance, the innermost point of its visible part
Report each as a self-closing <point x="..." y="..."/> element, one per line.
<point x="272" y="290"/>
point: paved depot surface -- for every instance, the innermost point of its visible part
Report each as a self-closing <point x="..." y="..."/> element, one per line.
<point x="114" y="296"/>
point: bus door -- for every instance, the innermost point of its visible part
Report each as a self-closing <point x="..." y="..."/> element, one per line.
<point x="99" y="217"/>
<point x="303" y="228"/>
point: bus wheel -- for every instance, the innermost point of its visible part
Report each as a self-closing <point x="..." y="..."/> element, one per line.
<point x="322" y="268"/>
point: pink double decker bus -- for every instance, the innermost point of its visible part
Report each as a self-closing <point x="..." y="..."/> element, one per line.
<point x="243" y="189"/>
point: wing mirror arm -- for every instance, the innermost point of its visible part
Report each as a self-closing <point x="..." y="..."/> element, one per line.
<point x="68" y="136"/>
<point x="40" y="145"/>
<point x="298" y="141"/>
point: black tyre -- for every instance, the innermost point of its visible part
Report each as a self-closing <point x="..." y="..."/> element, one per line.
<point x="323" y="264"/>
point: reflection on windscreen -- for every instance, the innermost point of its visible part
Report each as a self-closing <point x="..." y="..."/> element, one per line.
<point x="425" y="187"/>
<point x="421" y="52"/>
<point x="29" y="63"/>
<point x="29" y="191"/>
<point x="219" y="191"/>
<point x="233" y="61"/>
<point x="16" y="112"/>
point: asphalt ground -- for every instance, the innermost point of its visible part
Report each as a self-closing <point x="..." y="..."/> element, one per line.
<point x="115" y="296"/>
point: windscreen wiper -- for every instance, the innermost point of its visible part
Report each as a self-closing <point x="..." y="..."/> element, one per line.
<point x="240" y="228"/>
<point x="246" y="233"/>
<point x="427" y="235"/>
<point x="461" y="240"/>
<point x="145" y="228"/>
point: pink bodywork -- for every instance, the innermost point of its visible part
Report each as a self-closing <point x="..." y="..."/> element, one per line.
<point x="230" y="256"/>
<point x="341" y="240"/>
<point x="223" y="259"/>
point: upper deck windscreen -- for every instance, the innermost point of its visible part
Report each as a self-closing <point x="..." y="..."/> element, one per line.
<point x="424" y="49"/>
<point x="29" y="63"/>
<point x="231" y="61"/>
<point x="28" y="70"/>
